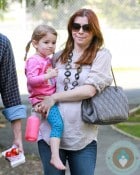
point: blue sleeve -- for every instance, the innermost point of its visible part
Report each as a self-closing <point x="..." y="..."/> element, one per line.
<point x="15" y="112"/>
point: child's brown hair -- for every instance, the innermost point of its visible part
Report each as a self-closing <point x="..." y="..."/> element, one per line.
<point x="39" y="32"/>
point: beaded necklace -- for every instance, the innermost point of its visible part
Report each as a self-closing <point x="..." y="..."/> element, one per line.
<point x="67" y="74"/>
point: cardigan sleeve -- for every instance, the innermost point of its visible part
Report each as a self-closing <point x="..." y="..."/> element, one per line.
<point x="100" y="74"/>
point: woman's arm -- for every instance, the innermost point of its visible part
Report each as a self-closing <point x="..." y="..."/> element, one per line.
<point x="77" y="94"/>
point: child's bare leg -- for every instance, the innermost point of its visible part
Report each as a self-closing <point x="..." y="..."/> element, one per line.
<point x="55" y="159"/>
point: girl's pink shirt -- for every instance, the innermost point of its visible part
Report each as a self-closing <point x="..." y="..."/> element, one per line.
<point x="35" y="68"/>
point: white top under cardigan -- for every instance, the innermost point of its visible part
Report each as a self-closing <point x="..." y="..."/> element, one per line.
<point x="78" y="134"/>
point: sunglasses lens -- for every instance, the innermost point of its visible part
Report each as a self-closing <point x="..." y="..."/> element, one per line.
<point x="86" y="27"/>
<point x="77" y="27"/>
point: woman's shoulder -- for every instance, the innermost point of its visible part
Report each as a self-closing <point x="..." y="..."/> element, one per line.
<point x="103" y="55"/>
<point x="104" y="51"/>
<point x="57" y="54"/>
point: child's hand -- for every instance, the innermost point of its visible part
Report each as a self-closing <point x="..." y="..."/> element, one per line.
<point x="51" y="73"/>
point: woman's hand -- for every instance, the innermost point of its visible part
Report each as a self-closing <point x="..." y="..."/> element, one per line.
<point x="45" y="105"/>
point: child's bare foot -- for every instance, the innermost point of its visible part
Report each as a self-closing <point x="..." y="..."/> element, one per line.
<point x="57" y="163"/>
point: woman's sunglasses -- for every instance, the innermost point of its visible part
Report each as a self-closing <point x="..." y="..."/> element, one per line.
<point x="76" y="27"/>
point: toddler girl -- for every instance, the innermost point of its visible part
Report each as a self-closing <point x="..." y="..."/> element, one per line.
<point x="41" y="82"/>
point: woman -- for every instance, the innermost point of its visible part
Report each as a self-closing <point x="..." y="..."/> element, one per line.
<point x="84" y="70"/>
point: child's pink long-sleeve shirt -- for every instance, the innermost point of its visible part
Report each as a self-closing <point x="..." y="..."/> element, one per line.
<point x="35" y="68"/>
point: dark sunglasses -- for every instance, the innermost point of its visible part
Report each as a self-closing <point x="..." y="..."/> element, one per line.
<point x="77" y="27"/>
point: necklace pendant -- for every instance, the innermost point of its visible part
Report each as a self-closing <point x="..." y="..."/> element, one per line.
<point x="66" y="80"/>
<point x="69" y="60"/>
<point x="67" y="73"/>
<point x="68" y="66"/>
<point x="70" y="55"/>
<point x="65" y="88"/>
<point x="75" y="83"/>
<point x="79" y="70"/>
<point x="77" y="76"/>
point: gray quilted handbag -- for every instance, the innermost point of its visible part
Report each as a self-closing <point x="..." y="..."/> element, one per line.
<point x="108" y="107"/>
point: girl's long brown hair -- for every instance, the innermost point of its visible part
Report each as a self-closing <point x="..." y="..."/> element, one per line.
<point x="96" y="43"/>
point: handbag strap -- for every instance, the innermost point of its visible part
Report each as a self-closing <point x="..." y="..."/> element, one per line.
<point x="114" y="77"/>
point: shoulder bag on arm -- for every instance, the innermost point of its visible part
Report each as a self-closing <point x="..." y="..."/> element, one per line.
<point x="108" y="107"/>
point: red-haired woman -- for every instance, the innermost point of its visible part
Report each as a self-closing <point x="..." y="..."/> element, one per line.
<point x="84" y="70"/>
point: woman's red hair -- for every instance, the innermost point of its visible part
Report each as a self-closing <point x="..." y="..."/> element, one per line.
<point x="96" y="43"/>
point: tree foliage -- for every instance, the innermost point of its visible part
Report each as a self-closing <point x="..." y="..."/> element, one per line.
<point x="3" y="4"/>
<point x="120" y="13"/>
<point x="116" y="13"/>
<point x="31" y="3"/>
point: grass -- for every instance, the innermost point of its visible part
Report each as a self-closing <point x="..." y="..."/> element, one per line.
<point x="132" y="126"/>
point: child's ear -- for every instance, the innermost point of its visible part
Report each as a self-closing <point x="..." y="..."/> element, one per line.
<point x="34" y="43"/>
